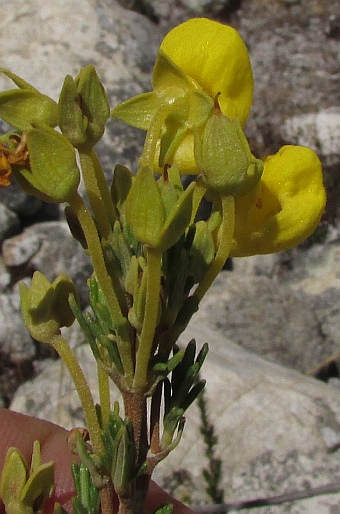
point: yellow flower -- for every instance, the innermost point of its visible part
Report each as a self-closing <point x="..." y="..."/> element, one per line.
<point x="199" y="62"/>
<point x="284" y="208"/>
<point x="216" y="58"/>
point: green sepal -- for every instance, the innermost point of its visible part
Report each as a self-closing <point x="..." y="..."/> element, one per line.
<point x="138" y="111"/>
<point x="168" y="77"/>
<point x="71" y="121"/>
<point x="168" y="193"/>
<point x="144" y="209"/>
<point x="224" y="158"/>
<point x="94" y="103"/>
<point x="202" y="251"/>
<point x="83" y="108"/>
<point x="45" y="306"/>
<point x="121" y="185"/>
<point x="53" y="174"/>
<point x="178" y="219"/>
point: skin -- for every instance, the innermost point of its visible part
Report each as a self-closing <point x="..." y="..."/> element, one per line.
<point x="21" y="431"/>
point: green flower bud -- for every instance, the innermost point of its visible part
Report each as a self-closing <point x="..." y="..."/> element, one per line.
<point x="24" y="490"/>
<point x="52" y="173"/>
<point x="72" y="123"/>
<point x="83" y="108"/>
<point x="224" y="158"/>
<point x="45" y="306"/>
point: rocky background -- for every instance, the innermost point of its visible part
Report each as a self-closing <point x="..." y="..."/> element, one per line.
<point x="271" y="321"/>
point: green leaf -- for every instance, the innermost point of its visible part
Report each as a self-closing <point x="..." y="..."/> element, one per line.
<point x="18" y="81"/>
<point x="53" y="175"/>
<point x="88" y="499"/>
<point x="20" y="108"/>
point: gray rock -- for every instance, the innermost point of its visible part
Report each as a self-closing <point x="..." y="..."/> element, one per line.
<point x="19" y="202"/>
<point x="5" y="277"/>
<point x="206" y="6"/>
<point x="320" y="131"/>
<point x="9" y="222"/>
<point x="295" y="62"/>
<point x="49" y="248"/>
<point x="269" y="319"/>
<point x="16" y="344"/>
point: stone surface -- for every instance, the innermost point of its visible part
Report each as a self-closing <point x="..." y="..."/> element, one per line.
<point x="9" y="222"/>
<point x="49" y="248"/>
<point x="278" y="429"/>
<point x="19" y="202"/>
<point x="320" y="131"/>
<point x="16" y="343"/>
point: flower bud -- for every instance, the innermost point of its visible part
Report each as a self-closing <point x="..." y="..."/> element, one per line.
<point x="83" y="108"/>
<point x="223" y="156"/>
<point x="45" y="306"/>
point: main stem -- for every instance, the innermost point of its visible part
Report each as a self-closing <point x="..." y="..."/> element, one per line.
<point x="136" y="410"/>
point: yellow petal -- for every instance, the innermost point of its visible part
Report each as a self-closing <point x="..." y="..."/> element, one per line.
<point x="286" y="206"/>
<point x="216" y="58"/>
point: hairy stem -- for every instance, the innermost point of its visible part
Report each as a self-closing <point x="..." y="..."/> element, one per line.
<point x="96" y="189"/>
<point x="83" y="391"/>
<point x="153" y="284"/>
<point x="104" y="281"/>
